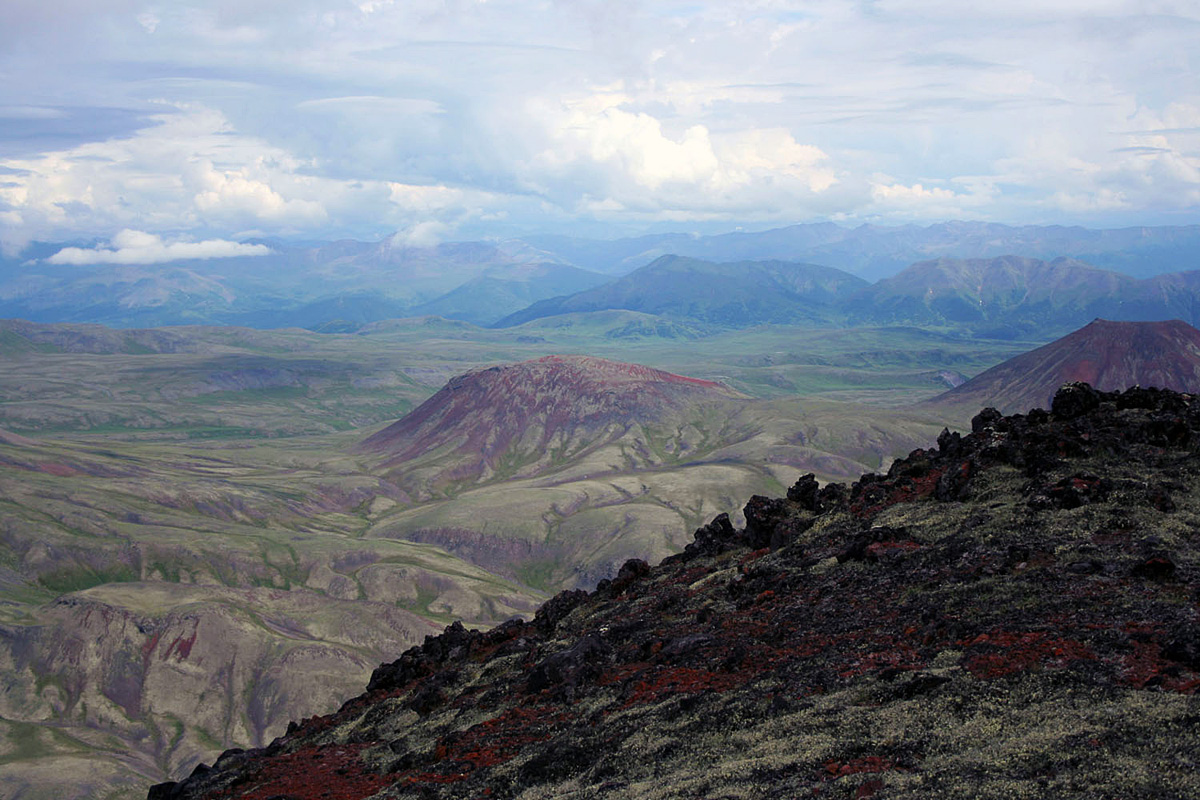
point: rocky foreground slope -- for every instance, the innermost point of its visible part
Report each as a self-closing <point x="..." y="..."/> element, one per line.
<point x="1012" y="613"/>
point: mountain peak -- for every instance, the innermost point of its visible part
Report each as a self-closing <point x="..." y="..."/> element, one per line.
<point x="591" y="370"/>
<point x="1106" y="354"/>
<point x="525" y="413"/>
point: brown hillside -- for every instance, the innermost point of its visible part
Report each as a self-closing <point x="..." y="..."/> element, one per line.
<point x="1107" y="355"/>
<point x="497" y="420"/>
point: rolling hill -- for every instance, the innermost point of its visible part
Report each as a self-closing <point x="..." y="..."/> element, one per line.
<point x="159" y="603"/>
<point x="554" y="471"/>
<point x="192" y="552"/>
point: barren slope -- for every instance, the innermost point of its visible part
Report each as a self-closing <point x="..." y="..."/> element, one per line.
<point x="517" y="420"/>
<point x="1108" y="355"/>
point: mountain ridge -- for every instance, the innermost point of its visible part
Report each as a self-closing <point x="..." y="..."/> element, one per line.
<point x="342" y="285"/>
<point x="876" y="251"/>
<point x="737" y="294"/>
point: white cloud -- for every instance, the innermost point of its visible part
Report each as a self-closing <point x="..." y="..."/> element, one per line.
<point x="1155" y="167"/>
<point x="597" y="129"/>
<point x="188" y="169"/>
<point x="616" y="158"/>
<point x="139" y="247"/>
<point x="246" y="193"/>
<point x="149" y="21"/>
<point x="921" y="202"/>
<point x="371" y="104"/>
<point x="423" y="234"/>
<point x="426" y="199"/>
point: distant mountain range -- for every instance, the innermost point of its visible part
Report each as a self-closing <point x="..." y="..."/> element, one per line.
<point x="340" y="286"/>
<point x="333" y="286"/>
<point x="736" y="295"/>
<point x="1004" y="298"/>
<point x="1010" y="296"/>
<point x="877" y="251"/>
<point x="502" y="291"/>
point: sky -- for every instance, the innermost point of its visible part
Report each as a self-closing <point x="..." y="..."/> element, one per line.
<point x="137" y="128"/>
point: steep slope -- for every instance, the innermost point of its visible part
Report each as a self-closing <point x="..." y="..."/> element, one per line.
<point x="1010" y="614"/>
<point x="1108" y="355"/>
<point x="126" y="681"/>
<point x="519" y="419"/>
<point x="730" y="295"/>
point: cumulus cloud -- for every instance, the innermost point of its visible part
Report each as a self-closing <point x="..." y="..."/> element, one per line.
<point x="139" y="247"/>
<point x="191" y="170"/>
<point x="187" y="169"/>
<point x="423" y="234"/>
<point x="618" y="158"/>
<point x="919" y="201"/>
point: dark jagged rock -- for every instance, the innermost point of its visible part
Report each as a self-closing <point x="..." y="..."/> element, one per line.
<point x="568" y="668"/>
<point x="1014" y="612"/>
<point x="417" y="662"/>
<point x="713" y="538"/>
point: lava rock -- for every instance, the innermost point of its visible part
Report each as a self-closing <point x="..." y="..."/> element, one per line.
<point x="568" y="668"/>
<point x="714" y="537"/>
<point x="1074" y="400"/>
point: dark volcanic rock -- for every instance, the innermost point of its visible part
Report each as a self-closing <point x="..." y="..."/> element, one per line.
<point x="1015" y="612"/>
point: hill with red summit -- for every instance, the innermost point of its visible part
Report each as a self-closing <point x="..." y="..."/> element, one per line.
<point x="555" y="471"/>
<point x="517" y="420"/>
<point x="1108" y="355"/>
